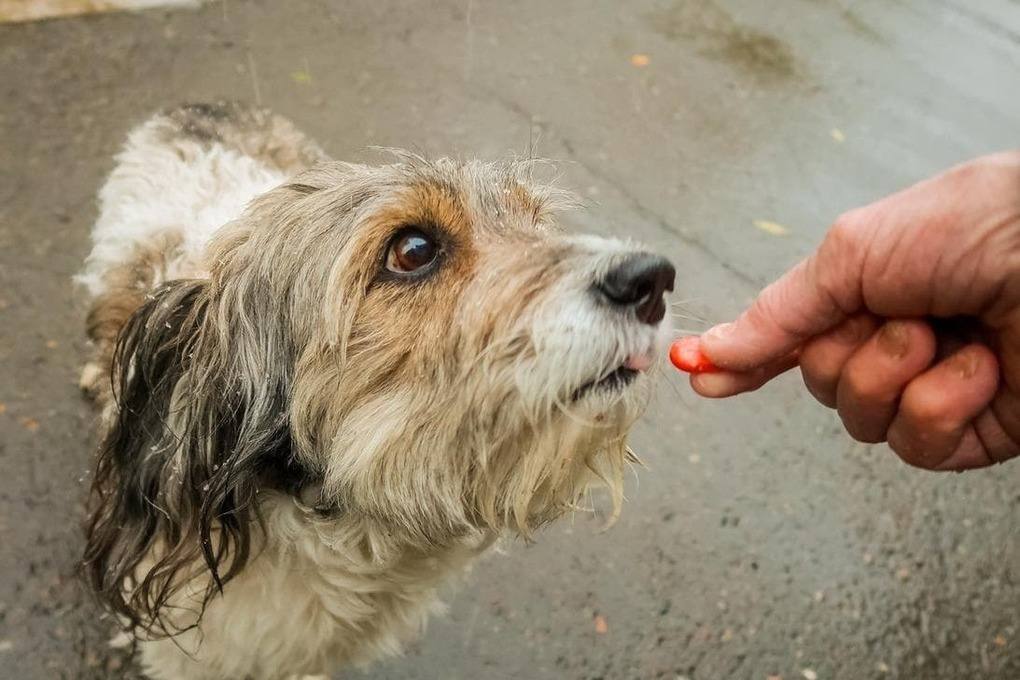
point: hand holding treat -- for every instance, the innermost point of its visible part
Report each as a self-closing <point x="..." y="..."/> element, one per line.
<point x="906" y="320"/>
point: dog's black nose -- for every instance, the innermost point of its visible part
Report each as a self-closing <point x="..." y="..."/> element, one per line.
<point x="639" y="282"/>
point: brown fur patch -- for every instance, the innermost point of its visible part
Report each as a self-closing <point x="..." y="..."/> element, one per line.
<point x="125" y="290"/>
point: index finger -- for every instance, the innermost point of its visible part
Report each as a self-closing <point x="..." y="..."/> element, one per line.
<point x="814" y="296"/>
<point x="722" y="384"/>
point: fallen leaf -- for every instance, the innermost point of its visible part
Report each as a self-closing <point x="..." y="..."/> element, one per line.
<point x="52" y="344"/>
<point x="302" y="77"/>
<point x="601" y="625"/>
<point x="640" y="60"/>
<point x="773" y="228"/>
<point x="774" y="677"/>
<point x="3" y="408"/>
<point x="727" y="635"/>
<point x="1000" y="640"/>
<point x="883" y="667"/>
<point x="30" y="424"/>
<point x="809" y="674"/>
<point x="837" y="135"/>
<point x="694" y="459"/>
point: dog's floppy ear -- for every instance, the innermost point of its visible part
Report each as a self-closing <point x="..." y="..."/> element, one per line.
<point x="200" y="421"/>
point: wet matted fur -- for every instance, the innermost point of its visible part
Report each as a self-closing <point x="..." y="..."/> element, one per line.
<point x="300" y="443"/>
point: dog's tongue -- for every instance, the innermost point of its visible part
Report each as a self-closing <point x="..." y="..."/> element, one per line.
<point x="639" y="362"/>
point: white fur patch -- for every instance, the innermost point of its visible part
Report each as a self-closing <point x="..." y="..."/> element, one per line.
<point x="180" y="188"/>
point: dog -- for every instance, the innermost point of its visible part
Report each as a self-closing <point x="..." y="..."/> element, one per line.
<point x="327" y="388"/>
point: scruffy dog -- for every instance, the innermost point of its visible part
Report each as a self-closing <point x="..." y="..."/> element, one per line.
<point x="335" y="385"/>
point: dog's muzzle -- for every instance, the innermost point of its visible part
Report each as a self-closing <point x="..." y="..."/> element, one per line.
<point x="639" y="283"/>
<point x="635" y="287"/>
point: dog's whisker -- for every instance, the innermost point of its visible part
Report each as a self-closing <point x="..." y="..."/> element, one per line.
<point x="686" y="331"/>
<point x="682" y="317"/>
<point x="686" y="312"/>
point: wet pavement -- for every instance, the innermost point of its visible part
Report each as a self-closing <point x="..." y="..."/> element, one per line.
<point x="759" y="541"/>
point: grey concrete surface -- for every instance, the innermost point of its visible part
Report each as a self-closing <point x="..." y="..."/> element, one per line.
<point x="759" y="541"/>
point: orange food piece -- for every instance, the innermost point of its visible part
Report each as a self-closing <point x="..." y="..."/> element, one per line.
<point x="686" y="355"/>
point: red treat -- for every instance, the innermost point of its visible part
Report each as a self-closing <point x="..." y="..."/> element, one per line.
<point x="686" y="355"/>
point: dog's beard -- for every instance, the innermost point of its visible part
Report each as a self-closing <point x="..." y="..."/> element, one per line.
<point x="444" y="470"/>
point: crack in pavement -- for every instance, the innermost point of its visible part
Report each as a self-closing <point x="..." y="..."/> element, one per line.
<point x="655" y="218"/>
<point x="982" y="21"/>
<point x="632" y="201"/>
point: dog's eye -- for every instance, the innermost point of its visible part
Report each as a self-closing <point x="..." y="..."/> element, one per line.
<point x="410" y="251"/>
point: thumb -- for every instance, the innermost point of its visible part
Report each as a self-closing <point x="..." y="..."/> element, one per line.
<point x="811" y="298"/>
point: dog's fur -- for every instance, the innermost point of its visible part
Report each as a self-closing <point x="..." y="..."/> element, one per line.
<point x="298" y="447"/>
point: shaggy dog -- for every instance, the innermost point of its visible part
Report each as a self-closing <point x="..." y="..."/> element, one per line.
<point x="327" y="388"/>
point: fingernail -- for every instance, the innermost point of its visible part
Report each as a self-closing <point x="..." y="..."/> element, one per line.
<point x="963" y="364"/>
<point x="720" y="332"/>
<point x="894" y="339"/>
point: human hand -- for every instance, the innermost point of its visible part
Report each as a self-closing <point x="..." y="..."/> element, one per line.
<point x="906" y="320"/>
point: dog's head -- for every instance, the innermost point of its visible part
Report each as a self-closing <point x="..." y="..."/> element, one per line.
<point x="415" y="344"/>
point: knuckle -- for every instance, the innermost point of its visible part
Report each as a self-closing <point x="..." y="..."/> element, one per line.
<point x="768" y="311"/>
<point x="845" y="233"/>
<point x="837" y="266"/>
<point x="768" y="305"/>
